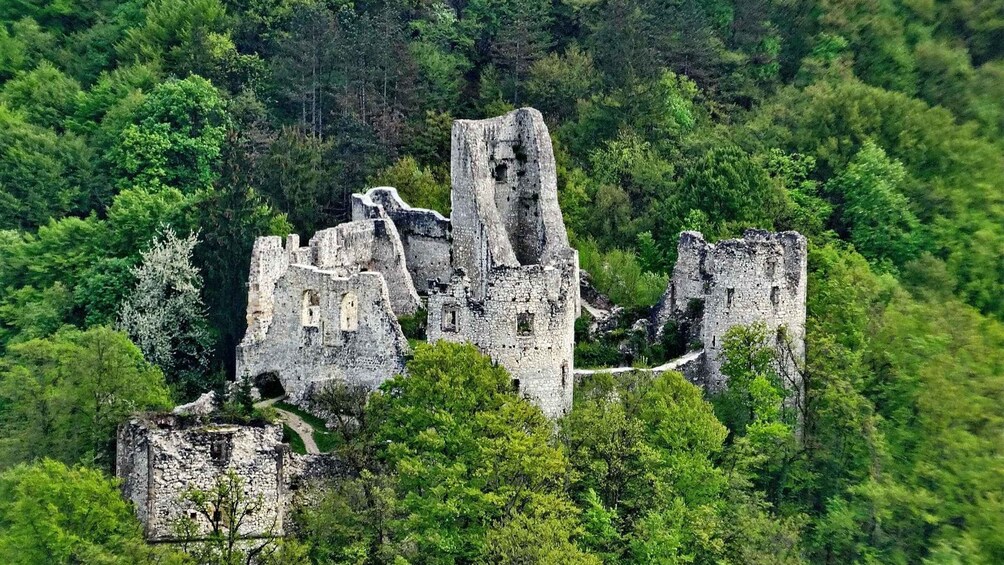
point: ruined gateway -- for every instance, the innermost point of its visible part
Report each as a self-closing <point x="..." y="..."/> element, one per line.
<point x="499" y="273"/>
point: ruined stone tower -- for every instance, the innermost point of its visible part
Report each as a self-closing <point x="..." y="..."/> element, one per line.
<point x="514" y="291"/>
<point x="758" y="278"/>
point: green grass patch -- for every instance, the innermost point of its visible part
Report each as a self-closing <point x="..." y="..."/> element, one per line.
<point x="294" y="440"/>
<point x="327" y="441"/>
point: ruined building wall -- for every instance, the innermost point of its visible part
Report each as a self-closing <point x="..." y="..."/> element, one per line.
<point x="515" y="291"/>
<point x="368" y="245"/>
<point x="325" y="327"/>
<point x="158" y="459"/>
<point x="758" y="278"/>
<point x="504" y="195"/>
<point x="525" y="323"/>
<point x="425" y="234"/>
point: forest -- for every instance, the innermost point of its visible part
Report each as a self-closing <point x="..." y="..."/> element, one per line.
<point x="144" y="144"/>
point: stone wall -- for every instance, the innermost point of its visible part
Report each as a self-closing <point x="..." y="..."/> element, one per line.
<point x="504" y="194"/>
<point x="525" y="323"/>
<point x="758" y="278"/>
<point x="325" y="327"/>
<point x="368" y="245"/>
<point x="425" y="234"/>
<point x="159" y="457"/>
<point x="515" y="290"/>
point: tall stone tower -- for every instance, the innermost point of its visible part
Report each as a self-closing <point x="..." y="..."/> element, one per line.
<point x="514" y="292"/>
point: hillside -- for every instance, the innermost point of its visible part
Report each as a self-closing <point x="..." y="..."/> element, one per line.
<point x="145" y="144"/>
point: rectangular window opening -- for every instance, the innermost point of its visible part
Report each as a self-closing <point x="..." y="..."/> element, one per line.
<point x="449" y="318"/>
<point x="524" y="324"/>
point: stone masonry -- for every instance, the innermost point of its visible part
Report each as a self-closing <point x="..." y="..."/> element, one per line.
<point x="758" y="278"/>
<point x="514" y="292"/>
<point x="312" y="321"/>
<point x="499" y="274"/>
<point x="425" y="234"/>
<point x="160" y="456"/>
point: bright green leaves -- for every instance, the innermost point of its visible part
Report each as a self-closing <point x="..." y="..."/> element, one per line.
<point x="463" y="470"/>
<point x="51" y="513"/>
<point x="175" y="138"/>
<point x="877" y="215"/>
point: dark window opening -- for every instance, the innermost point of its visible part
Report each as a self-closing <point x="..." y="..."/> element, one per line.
<point x="775" y="295"/>
<point x="449" y="319"/>
<point x="515" y="385"/>
<point x="219" y="450"/>
<point x="524" y="324"/>
<point x="499" y="174"/>
<point x="564" y="374"/>
<point x="730" y="293"/>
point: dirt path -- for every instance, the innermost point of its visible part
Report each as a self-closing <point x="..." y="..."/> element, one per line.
<point x="295" y="423"/>
<point x="669" y="366"/>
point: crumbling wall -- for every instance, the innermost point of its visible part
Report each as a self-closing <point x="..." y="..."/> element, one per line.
<point x="158" y="459"/>
<point x="160" y="456"/>
<point x="325" y="328"/>
<point x="758" y="278"/>
<point x="425" y="234"/>
<point x="368" y="245"/>
<point x="504" y="195"/>
<point x="526" y="323"/>
<point x="515" y="290"/>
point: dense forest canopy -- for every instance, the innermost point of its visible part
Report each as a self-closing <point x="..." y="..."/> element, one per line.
<point x="144" y="144"/>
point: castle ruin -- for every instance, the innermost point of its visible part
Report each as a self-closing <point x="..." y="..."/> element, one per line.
<point x="499" y="274"/>
<point x="161" y="457"/>
<point x="760" y="277"/>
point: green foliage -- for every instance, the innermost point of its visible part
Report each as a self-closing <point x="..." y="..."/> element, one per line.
<point x="413" y="325"/>
<point x="294" y="440"/>
<point x="644" y="452"/>
<point x="463" y="469"/>
<point x="871" y="126"/>
<point x="63" y="397"/>
<point x="174" y="138"/>
<point x="51" y="513"/>
<point x="420" y="187"/>
<point x="618" y="275"/>
<point x="876" y="213"/>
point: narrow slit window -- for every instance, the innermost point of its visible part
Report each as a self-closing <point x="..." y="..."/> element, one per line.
<point x="730" y="293"/>
<point x="775" y="295"/>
